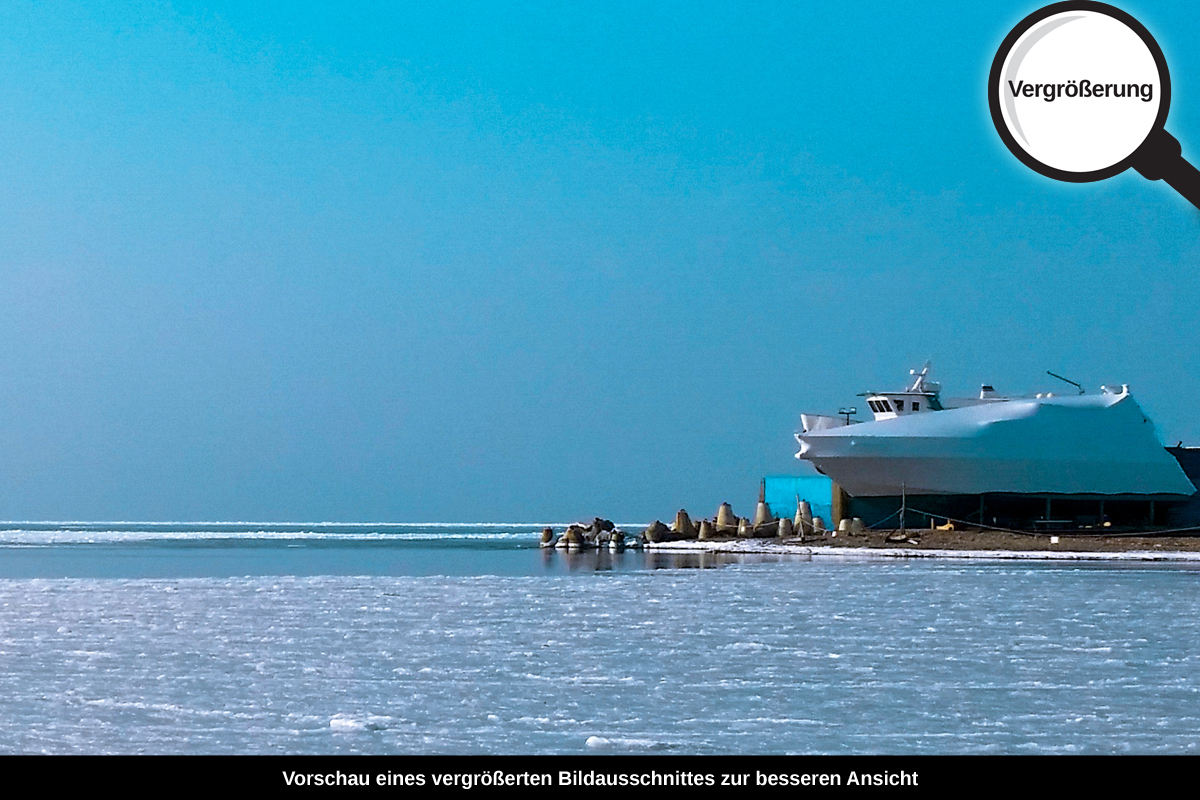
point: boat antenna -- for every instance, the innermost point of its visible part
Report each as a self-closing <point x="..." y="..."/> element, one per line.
<point x="1061" y="378"/>
<point x="918" y="378"/>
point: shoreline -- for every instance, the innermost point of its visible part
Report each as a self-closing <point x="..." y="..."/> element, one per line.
<point x="989" y="545"/>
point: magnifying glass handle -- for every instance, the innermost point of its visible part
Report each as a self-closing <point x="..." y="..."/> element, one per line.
<point x="1161" y="158"/>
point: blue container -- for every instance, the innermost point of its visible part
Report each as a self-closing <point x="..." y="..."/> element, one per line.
<point x="782" y="492"/>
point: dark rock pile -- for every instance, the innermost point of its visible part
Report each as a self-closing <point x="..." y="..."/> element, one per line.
<point x="600" y="533"/>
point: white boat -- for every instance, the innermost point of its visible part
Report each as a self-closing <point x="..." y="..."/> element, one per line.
<point x="919" y="444"/>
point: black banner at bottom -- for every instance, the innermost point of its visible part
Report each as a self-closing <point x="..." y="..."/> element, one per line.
<point x="535" y="775"/>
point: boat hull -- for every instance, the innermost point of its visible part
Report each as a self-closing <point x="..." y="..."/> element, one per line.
<point x="1088" y="445"/>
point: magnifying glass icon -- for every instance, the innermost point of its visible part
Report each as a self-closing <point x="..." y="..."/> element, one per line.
<point x="1079" y="92"/>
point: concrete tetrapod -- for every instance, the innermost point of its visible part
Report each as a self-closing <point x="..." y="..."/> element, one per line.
<point x="804" y="518"/>
<point x="727" y="521"/>
<point x="683" y="526"/>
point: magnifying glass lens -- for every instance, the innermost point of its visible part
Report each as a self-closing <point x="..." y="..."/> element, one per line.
<point x="1078" y="92"/>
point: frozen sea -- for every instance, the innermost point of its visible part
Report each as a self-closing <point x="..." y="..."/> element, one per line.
<point x="468" y="639"/>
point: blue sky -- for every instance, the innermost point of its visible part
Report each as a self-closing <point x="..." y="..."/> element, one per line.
<point x="485" y="261"/>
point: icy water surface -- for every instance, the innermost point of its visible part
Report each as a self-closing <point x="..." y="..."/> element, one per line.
<point x="412" y="639"/>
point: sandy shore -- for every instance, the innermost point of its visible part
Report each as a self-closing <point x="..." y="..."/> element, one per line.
<point x="962" y="544"/>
